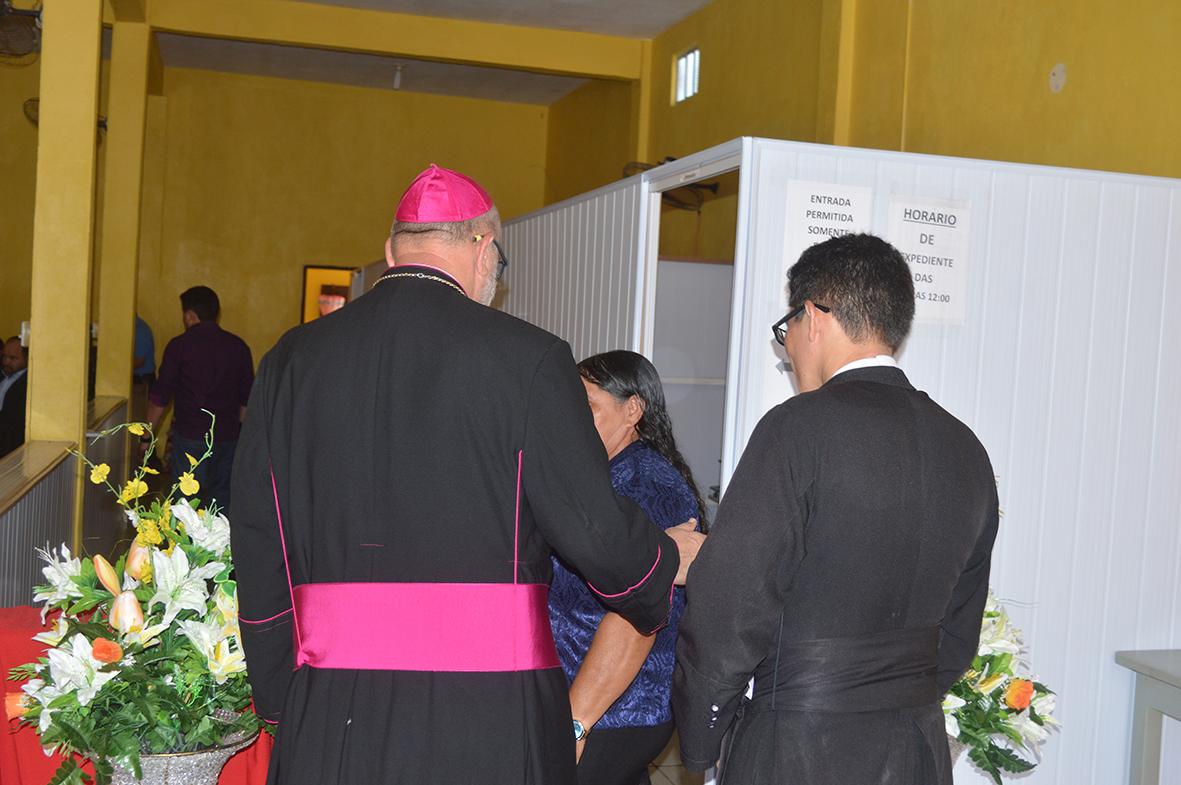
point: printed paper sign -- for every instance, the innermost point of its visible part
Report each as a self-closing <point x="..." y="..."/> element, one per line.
<point x="815" y="212"/>
<point x="818" y="211"/>
<point x="932" y="235"/>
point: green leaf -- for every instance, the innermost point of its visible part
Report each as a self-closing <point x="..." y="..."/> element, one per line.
<point x="1010" y="762"/>
<point x="71" y="735"/>
<point x="87" y="603"/>
<point x="67" y="774"/>
<point x="980" y="757"/>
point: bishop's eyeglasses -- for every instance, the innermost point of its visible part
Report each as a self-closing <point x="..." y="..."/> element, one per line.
<point x="501" y="259"/>
<point x="779" y="329"/>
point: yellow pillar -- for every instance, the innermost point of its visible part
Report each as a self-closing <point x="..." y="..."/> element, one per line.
<point x="834" y="106"/>
<point x="63" y="226"/>
<point x="642" y="105"/>
<point x="126" y="109"/>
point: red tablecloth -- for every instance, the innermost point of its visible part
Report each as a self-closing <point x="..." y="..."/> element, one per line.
<point x="21" y="760"/>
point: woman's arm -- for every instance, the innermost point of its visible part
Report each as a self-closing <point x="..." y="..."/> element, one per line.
<point x="616" y="655"/>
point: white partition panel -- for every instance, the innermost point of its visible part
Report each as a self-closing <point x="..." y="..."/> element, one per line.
<point x="1065" y="368"/>
<point x="575" y="267"/>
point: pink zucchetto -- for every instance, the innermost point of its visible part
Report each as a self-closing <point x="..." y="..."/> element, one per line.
<point x="440" y="195"/>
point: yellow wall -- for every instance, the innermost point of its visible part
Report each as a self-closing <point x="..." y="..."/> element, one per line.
<point x="978" y="83"/>
<point x="950" y="77"/>
<point x="18" y="162"/>
<point x="760" y="76"/>
<point x="589" y="139"/>
<point x="18" y="178"/>
<point x="262" y="176"/>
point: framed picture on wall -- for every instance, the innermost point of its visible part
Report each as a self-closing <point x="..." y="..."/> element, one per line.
<point x="325" y="289"/>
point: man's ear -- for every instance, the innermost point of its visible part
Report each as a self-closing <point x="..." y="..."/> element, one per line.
<point x="485" y="259"/>
<point x="389" y="251"/>
<point x="814" y="326"/>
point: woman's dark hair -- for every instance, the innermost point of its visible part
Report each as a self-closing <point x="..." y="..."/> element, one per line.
<point x="624" y="374"/>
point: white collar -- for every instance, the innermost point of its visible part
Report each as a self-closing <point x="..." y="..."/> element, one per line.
<point x="880" y="360"/>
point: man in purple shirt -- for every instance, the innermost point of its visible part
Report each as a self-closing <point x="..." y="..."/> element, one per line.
<point x="204" y="368"/>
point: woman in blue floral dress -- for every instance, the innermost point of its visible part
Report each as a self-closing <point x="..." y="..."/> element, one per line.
<point x="620" y="679"/>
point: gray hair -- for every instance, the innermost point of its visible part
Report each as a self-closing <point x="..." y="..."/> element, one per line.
<point x="451" y="232"/>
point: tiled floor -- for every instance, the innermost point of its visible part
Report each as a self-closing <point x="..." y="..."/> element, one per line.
<point x="673" y="775"/>
<point x="667" y="768"/>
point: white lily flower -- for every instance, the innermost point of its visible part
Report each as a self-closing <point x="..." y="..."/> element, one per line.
<point x="54" y="637"/>
<point x="178" y="588"/>
<point x="222" y="660"/>
<point x="998" y="637"/>
<point x="60" y="572"/>
<point x="227" y="606"/>
<point x="44" y="694"/>
<point x="951" y="724"/>
<point x="146" y="637"/>
<point x="75" y="668"/>
<point x="204" y="635"/>
<point x="1032" y="734"/>
<point x="227" y="661"/>
<point x="1044" y="706"/>
<point x="133" y="517"/>
<point x="211" y="532"/>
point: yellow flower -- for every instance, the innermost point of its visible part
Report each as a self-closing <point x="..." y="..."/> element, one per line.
<point x="98" y="474"/>
<point x="149" y="470"/>
<point x="149" y="533"/>
<point x="192" y="461"/>
<point x="133" y="490"/>
<point x="991" y="683"/>
<point x="189" y="484"/>
<point x="136" y="429"/>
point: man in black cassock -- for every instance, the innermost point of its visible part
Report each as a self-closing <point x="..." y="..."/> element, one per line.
<point x="848" y="566"/>
<point x="405" y="466"/>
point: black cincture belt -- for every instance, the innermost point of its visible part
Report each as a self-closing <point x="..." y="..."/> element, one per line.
<point x="889" y="670"/>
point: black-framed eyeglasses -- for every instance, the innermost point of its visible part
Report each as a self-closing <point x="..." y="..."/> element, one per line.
<point x="779" y="329"/>
<point x="501" y="259"/>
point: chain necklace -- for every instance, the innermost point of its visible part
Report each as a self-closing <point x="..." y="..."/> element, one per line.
<point x="425" y="276"/>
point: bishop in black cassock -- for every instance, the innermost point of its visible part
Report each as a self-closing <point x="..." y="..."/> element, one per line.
<point x="848" y="566"/>
<point x="406" y="465"/>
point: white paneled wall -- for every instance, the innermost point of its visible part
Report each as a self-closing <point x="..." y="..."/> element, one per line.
<point x="574" y="268"/>
<point x="42" y="517"/>
<point x="1065" y="369"/>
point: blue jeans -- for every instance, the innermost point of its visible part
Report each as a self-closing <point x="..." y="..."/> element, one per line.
<point x="213" y="474"/>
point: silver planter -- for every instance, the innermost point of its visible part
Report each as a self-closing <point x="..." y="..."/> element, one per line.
<point x="176" y="768"/>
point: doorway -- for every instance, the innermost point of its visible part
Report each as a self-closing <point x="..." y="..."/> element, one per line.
<point x="695" y="232"/>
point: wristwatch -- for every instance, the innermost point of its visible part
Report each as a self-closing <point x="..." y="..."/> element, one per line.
<point x="580" y="730"/>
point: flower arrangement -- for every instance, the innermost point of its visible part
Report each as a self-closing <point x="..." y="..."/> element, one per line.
<point x="996" y="708"/>
<point x="144" y="655"/>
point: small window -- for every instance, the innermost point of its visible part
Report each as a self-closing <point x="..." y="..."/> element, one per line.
<point x="687" y="70"/>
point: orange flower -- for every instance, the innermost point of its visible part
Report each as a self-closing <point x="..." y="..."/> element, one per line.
<point x="14" y="705"/>
<point x="106" y="651"/>
<point x="1019" y="693"/>
<point x="106" y="574"/>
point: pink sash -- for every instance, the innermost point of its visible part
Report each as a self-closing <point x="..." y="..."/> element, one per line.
<point x="441" y="627"/>
<point x="472" y="627"/>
